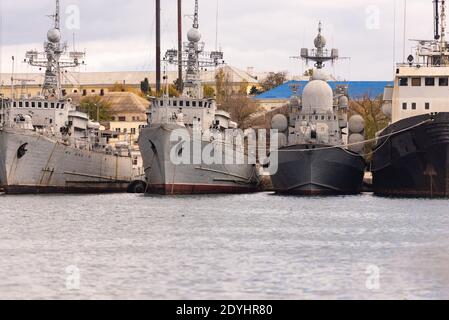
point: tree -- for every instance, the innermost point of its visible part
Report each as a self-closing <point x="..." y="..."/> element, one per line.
<point x="254" y="91"/>
<point x="371" y="110"/>
<point x="172" y="91"/>
<point x="223" y="85"/>
<point x="96" y="107"/>
<point x="308" y="73"/>
<point x="121" y="87"/>
<point x="273" y="80"/>
<point x="145" y="87"/>
<point x="241" y="109"/>
<point x="209" y="92"/>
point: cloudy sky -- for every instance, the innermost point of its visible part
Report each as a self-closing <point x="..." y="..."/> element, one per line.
<point x="118" y="35"/>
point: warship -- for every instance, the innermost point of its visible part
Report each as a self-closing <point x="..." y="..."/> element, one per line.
<point x="46" y="144"/>
<point x="411" y="156"/>
<point x="313" y="157"/>
<point x="198" y="119"/>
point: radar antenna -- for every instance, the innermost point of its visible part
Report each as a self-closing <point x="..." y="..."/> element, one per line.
<point x="319" y="54"/>
<point x="194" y="59"/>
<point x="54" y="58"/>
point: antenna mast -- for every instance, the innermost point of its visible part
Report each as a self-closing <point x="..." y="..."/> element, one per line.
<point x="319" y="54"/>
<point x="158" y="46"/>
<point x="180" y="80"/>
<point x="54" y="58"/>
<point x="194" y="59"/>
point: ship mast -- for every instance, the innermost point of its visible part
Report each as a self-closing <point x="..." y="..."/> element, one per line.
<point x="193" y="59"/>
<point x="54" y="58"/>
<point x="319" y="54"/>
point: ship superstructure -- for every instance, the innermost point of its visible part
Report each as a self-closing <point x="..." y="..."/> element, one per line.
<point x="199" y="120"/>
<point x="46" y="144"/>
<point x="313" y="159"/>
<point x="411" y="157"/>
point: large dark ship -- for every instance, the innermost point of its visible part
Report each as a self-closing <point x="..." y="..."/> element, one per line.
<point x="411" y="157"/>
<point x="313" y="158"/>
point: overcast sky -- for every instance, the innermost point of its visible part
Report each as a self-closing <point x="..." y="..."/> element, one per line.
<point x="118" y="35"/>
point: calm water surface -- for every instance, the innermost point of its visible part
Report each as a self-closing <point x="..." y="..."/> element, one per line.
<point x="224" y="247"/>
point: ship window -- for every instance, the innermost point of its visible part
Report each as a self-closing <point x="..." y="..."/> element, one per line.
<point x="322" y="117"/>
<point x="27" y="104"/>
<point x="14" y="104"/>
<point x="187" y="103"/>
<point x="175" y="103"/>
<point x="201" y="104"/>
<point x="133" y="130"/>
<point x="46" y="105"/>
<point x="39" y="104"/>
<point x="403" y="82"/>
<point x="404" y="106"/>
<point x="52" y="105"/>
<point x="303" y="117"/>
<point x="161" y="103"/>
<point x="122" y="119"/>
<point x="33" y="104"/>
<point x="329" y="118"/>
<point x="20" y="104"/>
<point x="193" y="103"/>
<point x="57" y="106"/>
<point x="62" y="106"/>
<point x="413" y="106"/>
<point x="181" y="103"/>
<point x="416" y="82"/>
<point x="427" y="106"/>
<point x="430" y="82"/>
<point x="444" y="82"/>
<point x="316" y="117"/>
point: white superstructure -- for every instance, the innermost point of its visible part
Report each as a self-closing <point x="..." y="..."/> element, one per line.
<point x="421" y="86"/>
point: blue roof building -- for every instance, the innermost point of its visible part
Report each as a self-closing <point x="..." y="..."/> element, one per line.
<point x="357" y="89"/>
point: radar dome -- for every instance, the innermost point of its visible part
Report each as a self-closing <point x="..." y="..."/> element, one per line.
<point x="356" y="142"/>
<point x="194" y="35"/>
<point x="318" y="96"/>
<point x="356" y="124"/>
<point x="320" y="74"/>
<point x="279" y="122"/>
<point x="320" y="41"/>
<point x="54" y="35"/>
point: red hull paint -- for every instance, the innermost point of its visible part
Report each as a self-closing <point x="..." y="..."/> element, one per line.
<point x="62" y="190"/>
<point x="187" y="189"/>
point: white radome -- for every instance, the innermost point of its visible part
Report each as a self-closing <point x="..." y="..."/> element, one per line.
<point x="194" y="35"/>
<point x="318" y="96"/>
<point x="54" y="35"/>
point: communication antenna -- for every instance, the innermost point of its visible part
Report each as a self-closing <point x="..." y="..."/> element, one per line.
<point x="54" y="58"/>
<point x="405" y="30"/>
<point x="319" y="54"/>
<point x="216" y="26"/>
<point x="194" y="59"/>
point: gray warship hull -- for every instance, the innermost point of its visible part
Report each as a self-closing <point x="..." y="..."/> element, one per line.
<point x="332" y="171"/>
<point x="166" y="178"/>
<point x="32" y="163"/>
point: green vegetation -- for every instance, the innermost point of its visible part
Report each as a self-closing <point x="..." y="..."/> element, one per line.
<point x="209" y="92"/>
<point x="273" y="80"/>
<point x="96" y="107"/>
<point x="375" y="120"/>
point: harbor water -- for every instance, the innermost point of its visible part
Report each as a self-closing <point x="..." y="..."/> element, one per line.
<point x="258" y="246"/>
